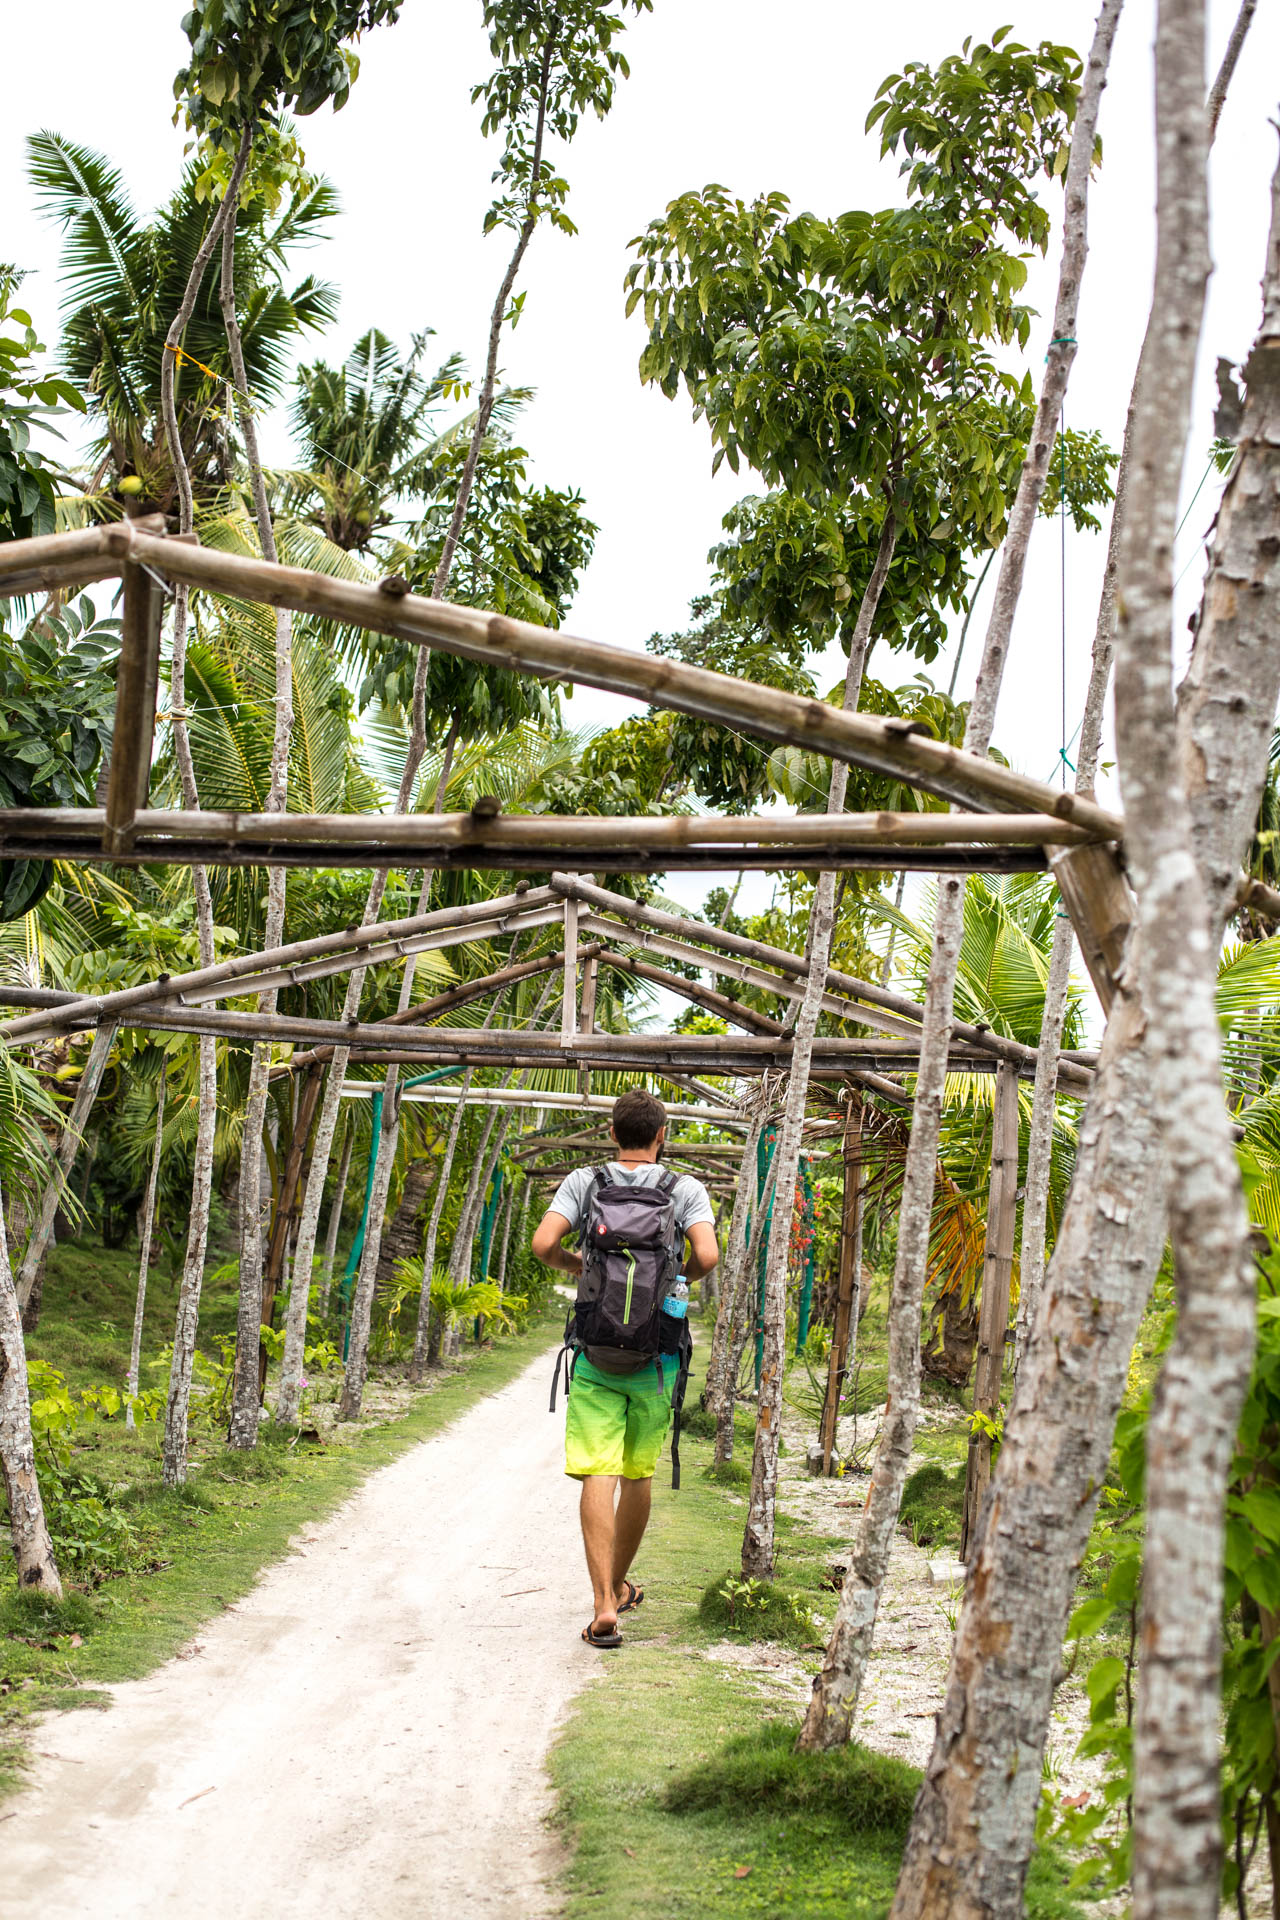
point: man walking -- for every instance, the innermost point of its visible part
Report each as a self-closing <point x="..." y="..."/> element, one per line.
<point x="620" y="1392"/>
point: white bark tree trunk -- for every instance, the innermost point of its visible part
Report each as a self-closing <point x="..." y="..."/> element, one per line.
<point x="974" y="1825"/>
<point x="32" y="1548"/>
<point x="244" y="1401"/>
<point x="731" y="1276"/>
<point x="1202" y="1386"/>
<point x="745" y="1292"/>
<point x="144" y="1258"/>
<point x="758" y="1536"/>
<point x="174" y="1449"/>
<point x="835" y="1691"/>
<point x="422" y="1333"/>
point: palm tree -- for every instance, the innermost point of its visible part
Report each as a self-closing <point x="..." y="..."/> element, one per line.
<point x="366" y="436"/>
<point x="123" y="280"/>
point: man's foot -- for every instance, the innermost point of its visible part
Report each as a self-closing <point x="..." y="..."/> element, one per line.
<point x="632" y="1595"/>
<point x="602" y="1632"/>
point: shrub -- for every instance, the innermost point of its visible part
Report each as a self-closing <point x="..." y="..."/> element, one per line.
<point x="761" y="1772"/>
<point x="729" y="1473"/>
<point x="758" y="1610"/>
<point x="38" y="1616"/>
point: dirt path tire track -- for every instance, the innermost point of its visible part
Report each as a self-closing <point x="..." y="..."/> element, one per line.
<point x="373" y="1718"/>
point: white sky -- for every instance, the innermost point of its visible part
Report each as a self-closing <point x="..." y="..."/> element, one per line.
<point x="753" y="96"/>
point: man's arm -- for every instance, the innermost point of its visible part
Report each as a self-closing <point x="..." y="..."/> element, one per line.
<point x="704" y="1252"/>
<point x="546" y="1244"/>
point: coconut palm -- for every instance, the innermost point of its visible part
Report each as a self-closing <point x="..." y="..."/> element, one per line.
<point x="123" y="279"/>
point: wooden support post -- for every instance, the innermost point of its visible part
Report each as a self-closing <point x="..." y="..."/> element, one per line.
<point x="997" y="1283"/>
<point x="286" y="1212"/>
<point x="848" y="1286"/>
<point x="68" y="1147"/>
<point x="587" y="1012"/>
<point x="1096" y="895"/>
<point x="569" y="1006"/>
<point x="137" y="678"/>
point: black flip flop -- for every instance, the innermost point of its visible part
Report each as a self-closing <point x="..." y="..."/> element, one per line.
<point x="594" y="1639"/>
<point x="635" y="1595"/>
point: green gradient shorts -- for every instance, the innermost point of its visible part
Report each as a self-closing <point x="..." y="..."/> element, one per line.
<point x="617" y="1422"/>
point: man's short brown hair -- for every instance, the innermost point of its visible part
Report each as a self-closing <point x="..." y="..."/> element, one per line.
<point x="638" y="1118"/>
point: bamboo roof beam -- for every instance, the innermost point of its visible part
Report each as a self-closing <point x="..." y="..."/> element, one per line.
<point x="678" y="1112"/>
<point x="890" y="747"/>
<point x="881" y="842"/>
<point x="282" y="966"/>
<point x="871" y="998"/>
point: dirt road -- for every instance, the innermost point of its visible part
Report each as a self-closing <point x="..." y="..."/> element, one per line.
<point x="364" y="1734"/>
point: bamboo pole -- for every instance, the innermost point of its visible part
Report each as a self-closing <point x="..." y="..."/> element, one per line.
<point x="873" y="1002"/>
<point x="60" y="1173"/>
<point x="997" y="1283"/>
<point x="882" y="746"/>
<point x="569" y="1000"/>
<point x="460" y="996"/>
<point x="137" y="681"/>
<point x="413" y="836"/>
<point x="566" y="1102"/>
<point x="283" y="962"/>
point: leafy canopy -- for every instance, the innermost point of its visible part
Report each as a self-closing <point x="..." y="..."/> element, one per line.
<point x="26" y="484"/>
<point x="555" y="60"/>
<point x="252" y="60"/>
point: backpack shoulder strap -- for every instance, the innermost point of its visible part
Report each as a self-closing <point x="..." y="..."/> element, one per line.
<point x="665" y="1183"/>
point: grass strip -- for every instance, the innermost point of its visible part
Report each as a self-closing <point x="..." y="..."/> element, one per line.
<point x="678" y="1786"/>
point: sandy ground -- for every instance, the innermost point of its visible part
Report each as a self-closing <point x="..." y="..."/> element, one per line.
<point x="364" y="1734"/>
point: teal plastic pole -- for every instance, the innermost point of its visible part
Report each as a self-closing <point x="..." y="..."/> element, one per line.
<point x="806" y="1283"/>
<point x="764" y="1160"/>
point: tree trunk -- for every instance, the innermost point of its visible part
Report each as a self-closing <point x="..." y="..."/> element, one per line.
<point x="72" y="1135"/>
<point x="425" y="1346"/>
<point x="758" y="1536"/>
<point x="246" y="1398"/>
<point x="953" y="1340"/>
<point x="464" y="1239"/>
<point x="174" y="1451"/>
<point x="1044" y="1105"/>
<point x="32" y="1548"/>
<point x="508" y="1210"/>
<point x="742" y="1322"/>
<point x="295" y="1175"/>
<point x="1177" y="1861"/>
<point x="973" y="1829"/>
<point x="835" y="1691"/>
<point x="144" y="1259"/>
<point x="844" y="1333"/>
<point x="716" y="1382"/>
<point x="335" y="1222"/>
<point x="997" y="1281"/>
<point x="403" y="1237"/>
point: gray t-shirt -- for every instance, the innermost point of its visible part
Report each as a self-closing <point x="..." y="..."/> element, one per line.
<point x="692" y="1207"/>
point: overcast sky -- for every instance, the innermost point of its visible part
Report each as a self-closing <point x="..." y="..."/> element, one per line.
<point x="753" y="95"/>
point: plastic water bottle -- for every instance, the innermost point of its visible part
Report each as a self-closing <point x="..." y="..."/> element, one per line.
<point x="677" y="1301"/>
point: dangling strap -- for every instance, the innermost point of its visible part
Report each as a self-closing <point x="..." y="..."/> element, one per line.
<point x="677" y="1402"/>
<point x="561" y="1357"/>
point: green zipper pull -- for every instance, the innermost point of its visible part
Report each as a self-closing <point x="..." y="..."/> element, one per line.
<point x="631" y="1274"/>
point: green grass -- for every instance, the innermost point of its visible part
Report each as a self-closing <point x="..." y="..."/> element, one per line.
<point x="197" y="1549"/>
<point x="933" y="1505"/>
<point x="678" y="1786"/>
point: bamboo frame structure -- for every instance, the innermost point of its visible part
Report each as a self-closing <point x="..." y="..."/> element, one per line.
<point x="892" y="747"/>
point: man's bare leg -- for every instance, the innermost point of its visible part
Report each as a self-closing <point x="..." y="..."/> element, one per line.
<point x="598" y="1532"/>
<point x="630" y="1522"/>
